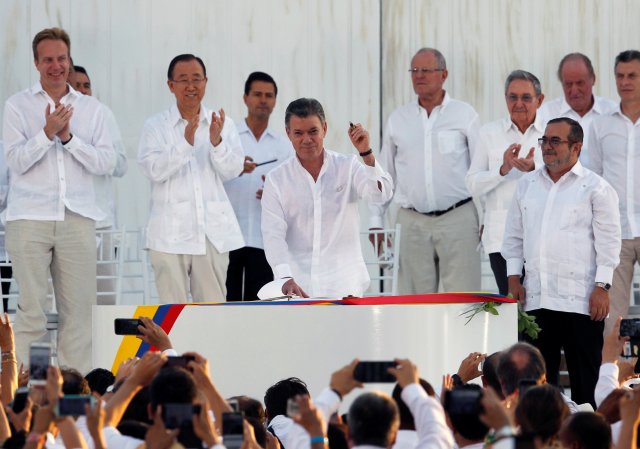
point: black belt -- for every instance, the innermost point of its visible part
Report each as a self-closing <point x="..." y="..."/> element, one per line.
<point x="437" y="213"/>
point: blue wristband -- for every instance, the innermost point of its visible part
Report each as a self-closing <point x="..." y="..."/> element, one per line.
<point x="319" y="439"/>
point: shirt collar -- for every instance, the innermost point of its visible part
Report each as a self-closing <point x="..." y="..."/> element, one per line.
<point x="242" y="127"/>
<point x="37" y="89"/>
<point x="445" y="101"/>
<point x="175" y="117"/>
<point x="578" y="170"/>
<point x="597" y="106"/>
<point x="537" y="124"/>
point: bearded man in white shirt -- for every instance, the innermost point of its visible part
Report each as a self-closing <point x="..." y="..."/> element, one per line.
<point x="56" y="141"/>
<point x="427" y="148"/>
<point x="615" y="155"/>
<point x="564" y="228"/>
<point x="505" y="151"/>
<point x="577" y="76"/>
<point x="187" y="152"/>
<point x="310" y="220"/>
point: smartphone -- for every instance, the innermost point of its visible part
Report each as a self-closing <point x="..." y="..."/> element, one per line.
<point x="374" y="372"/>
<point x="73" y="404"/>
<point x="20" y="399"/>
<point x="232" y="430"/>
<point x="179" y="361"/>
<point x="39" y="358"/>
<point x="293" y="409"/>
<point x="127" y="326"/>
<point x="180" y="416"/>
<point x="524" y="385"/>
<point x="630" y="328"/>
<point x="463" y="401"/>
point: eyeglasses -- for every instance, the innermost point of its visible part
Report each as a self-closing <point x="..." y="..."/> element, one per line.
<point x="553" y="141"/>
<point x="196" y="82"/>
<point x="526" y="98"/>
<point x="423" y="70"/>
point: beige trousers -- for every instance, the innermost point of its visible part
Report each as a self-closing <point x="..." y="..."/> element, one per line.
<point x="66" y="251"/>
<point x="177" y="275"/>
<point x="620" y="294"/>
<point x="436" y="250"/>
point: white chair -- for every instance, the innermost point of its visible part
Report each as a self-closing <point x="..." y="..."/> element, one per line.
<point x="133" y="273"/>
<point x="109" y="263"/>
<point x="382" y="260"/>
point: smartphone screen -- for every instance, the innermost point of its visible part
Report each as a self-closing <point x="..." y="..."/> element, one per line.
<point x="232" y="430"/>
<point x="180" y="416"/>
<point x="374" y="372"/>
<point x="630" y="327"/>
<point x="179" y="361"/>
<point x="127" y="326"/>
<point x="39" y="357"/>
<point x="20" y="399"/>
<point x="73" y="405"/>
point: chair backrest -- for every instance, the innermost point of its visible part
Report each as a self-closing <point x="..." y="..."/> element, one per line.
<point x="382" y="260"/>
<point x="134" y="281"/>
<point x="109" y="263"/>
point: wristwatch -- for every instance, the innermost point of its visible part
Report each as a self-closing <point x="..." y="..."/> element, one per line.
<point x="603" y="285"/>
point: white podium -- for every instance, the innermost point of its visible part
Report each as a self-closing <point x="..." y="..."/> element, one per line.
<point x="250" y="346"/>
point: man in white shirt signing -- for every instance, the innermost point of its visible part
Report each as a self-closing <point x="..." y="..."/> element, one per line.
<point x="310" y="221"/>
<point x="564" y="228"/>
<point x="56" y="141"/>
<point x="187" y="152"/>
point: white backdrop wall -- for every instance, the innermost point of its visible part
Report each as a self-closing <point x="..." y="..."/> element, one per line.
<point x="352" y="55"/>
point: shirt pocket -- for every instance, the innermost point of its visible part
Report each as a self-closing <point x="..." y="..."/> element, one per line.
<point x="221" y="220"/>
<point x="571" y="282"/>
<point x="574" y="216"/>
<point x="179" y="221"/>
<point x="451" y="142"/>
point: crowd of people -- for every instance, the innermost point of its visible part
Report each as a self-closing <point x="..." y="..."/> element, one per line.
<point x="500" y="401"/>
<point x="235" y="207"/>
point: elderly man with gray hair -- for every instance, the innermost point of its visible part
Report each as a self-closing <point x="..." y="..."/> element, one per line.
<point x="427" y="148"/>
<point x="506" y="149"/>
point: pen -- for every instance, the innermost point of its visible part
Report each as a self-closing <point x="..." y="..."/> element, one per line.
<point x="266" y="162"/>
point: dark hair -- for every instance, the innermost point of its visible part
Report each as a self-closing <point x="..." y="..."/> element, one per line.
<point x="406" y="418"/>
<point x="576" y="134"/>
<point x="184" y="58"/>
<point x="172" y="385"/>
<point x="490" y="373"/>
<point x="99" y="379"/>
<point x="627" y="56"/>
<point x="304" y="107"/>
<point x="258" y="429"/>
<point x="589" y="430"/>
<point x="137" y="410"/>
<point x="373" y="420"/>
<point x="467" y="424"/>
<point x="80" y="69"/>
<point x="54" y="34"/>
<point x="73" y="382"/>
<point x="259" y="76"/>
<point x="252" y="408"/>
<point x="134" y="429"/>
<point x="337" y="436"/>
<point x="275" y="398"/>
<point x="580" y="57"/>
<point x="523" y="75"/>
<point x="520" y="361"/>
<point x="541" y="411"/>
